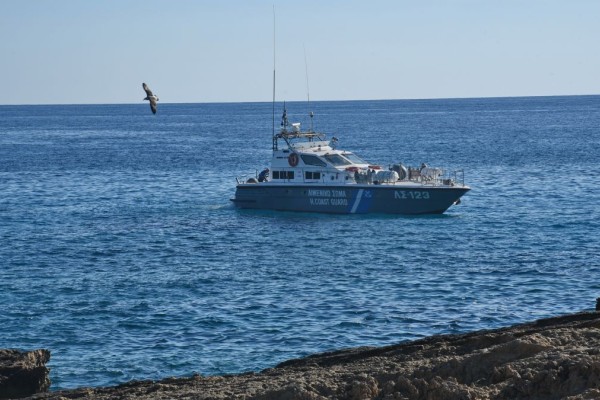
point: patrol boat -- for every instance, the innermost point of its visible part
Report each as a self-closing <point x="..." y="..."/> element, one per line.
<point x="310" y="174"/>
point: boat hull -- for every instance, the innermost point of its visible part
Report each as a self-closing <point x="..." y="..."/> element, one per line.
<point x="349" y="199"/>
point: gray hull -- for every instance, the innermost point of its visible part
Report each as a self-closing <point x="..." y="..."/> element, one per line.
<point x="348" y="199"/>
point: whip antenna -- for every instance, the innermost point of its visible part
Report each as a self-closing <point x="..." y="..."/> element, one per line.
<point x="310" y="113"/>
<point x="274" y="140"/>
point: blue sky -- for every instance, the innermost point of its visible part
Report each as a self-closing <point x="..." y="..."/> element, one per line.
<point x="75" y="51"/>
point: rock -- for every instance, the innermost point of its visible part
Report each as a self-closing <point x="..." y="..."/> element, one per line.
<point x="365" y="387"/>
<point x="553" y="358"/>
<point x="23" y="373"/>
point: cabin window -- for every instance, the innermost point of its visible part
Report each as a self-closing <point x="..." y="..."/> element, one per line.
<point x="312" y="175"/>
<point x="283" y="174"/>
<point x="336" y="160"/>
<point x="309" y="159"/>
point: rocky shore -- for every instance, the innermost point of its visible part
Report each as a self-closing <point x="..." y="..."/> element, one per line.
<point x="554" y="358"/>
<point x="23" y="373"/>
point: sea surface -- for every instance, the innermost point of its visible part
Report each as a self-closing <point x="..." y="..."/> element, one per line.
<point x="122" y="254"/>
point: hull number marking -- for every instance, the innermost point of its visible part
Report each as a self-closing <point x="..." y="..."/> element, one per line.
<point x="411" y="194"/>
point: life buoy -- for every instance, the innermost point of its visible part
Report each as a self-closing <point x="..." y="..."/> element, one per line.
<point x="293" y="159"/>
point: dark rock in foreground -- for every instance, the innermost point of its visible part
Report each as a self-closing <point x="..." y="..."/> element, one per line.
<point x="555" y="358"/>
<point x="23" y="373"/>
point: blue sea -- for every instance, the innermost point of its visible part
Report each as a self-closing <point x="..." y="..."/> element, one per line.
<point x="122" y="254"/>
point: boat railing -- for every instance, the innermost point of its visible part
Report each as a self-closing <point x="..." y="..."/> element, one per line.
<point x="440" y="177"/>
<point x="428" y="177"/>
<point x="246" y="178"/>
<point x="459" y="176"/>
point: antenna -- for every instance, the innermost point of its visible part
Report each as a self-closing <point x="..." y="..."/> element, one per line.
<point x="310" y="113"/>
<point x="274" y="138"/>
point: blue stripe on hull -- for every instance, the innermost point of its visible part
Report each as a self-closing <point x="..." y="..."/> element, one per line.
<point x="361" y="201"/>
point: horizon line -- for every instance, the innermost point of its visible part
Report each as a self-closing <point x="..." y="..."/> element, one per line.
<point x="303" y="101"/>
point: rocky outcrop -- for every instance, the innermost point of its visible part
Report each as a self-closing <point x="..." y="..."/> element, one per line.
<point x="23" y="373"/>
<point x="555" y="358"/>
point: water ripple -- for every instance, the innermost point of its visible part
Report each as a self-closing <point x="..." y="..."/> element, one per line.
<point x="122" y="254"/>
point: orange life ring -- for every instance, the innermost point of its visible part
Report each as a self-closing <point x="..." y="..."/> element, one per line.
<point x="293" y="159"/>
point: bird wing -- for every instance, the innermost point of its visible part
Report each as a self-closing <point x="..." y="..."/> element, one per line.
<point x="147" y="89"/>
<point x="153" y="105"/>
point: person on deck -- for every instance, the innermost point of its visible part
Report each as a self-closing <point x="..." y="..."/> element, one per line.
<point x="264" y="175"/>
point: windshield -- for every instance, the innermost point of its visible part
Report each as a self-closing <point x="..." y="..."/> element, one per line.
<point x="312" y="160"/>
<point x="336" y="160"/>
<point x="354" y="158"/>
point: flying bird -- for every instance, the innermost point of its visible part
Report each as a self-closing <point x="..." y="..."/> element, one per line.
<point x="150" y="97"/>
